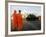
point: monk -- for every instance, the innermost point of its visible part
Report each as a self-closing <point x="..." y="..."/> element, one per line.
<point x="19" y="21"/>
<point x="14" y="20"/>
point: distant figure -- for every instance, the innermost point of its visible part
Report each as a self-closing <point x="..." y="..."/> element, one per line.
<point x="14" y="20"/>
<point x="19" y="21"/>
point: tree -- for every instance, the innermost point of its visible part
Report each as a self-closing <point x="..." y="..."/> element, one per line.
<point x="31" y="17"/>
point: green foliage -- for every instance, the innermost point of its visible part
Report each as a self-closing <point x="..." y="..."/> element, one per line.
<point x="31" y="17"/>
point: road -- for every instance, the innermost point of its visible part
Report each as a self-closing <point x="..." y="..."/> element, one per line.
<point x="32" y="25"/>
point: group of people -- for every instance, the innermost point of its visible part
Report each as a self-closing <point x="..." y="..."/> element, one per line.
<point x="17" y="20"/>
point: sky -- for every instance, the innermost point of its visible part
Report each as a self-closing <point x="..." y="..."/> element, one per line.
<point x="36" y="10"/>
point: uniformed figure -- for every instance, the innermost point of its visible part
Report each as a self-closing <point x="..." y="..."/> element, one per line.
<point x="14" y="20"/>
<point x="19" y="21"/>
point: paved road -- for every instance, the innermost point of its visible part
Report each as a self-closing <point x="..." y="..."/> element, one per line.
<point x="33" y="25"/>
<point x="30" y="25"/>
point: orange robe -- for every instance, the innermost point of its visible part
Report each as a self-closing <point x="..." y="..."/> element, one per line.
<point x="19" y="21"/>
<point x="14" y="21"/>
